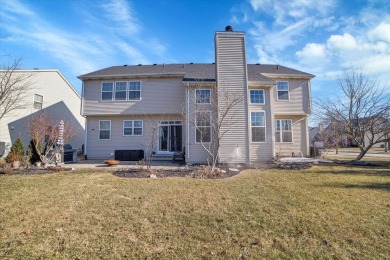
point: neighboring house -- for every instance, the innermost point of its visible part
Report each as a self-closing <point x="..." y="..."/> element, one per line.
<point x="49" y="92"/>
<point x="141" y="107"/>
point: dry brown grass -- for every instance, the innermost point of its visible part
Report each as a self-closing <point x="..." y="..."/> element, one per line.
<point x="323" y="212"/>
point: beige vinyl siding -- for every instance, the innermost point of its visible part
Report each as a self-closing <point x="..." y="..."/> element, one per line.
<point x="260" y="152"/>
<point x="299" y="102"/>
<point x="60" y="101"/>
<point x="158" y="96"/>
<point x="102" y="149"/>
<point x="196" y="152"/>
<point x="299" y="135"/>
<point x="232" y="79"/>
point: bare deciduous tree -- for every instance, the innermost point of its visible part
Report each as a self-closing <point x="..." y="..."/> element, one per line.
<point x="14" y="86"/>
<point x="361" y="110"/>
<point x="44" y="132"/>
<point x="211" y="120"/>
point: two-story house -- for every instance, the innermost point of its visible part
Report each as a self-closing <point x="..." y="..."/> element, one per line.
<point x="48" y="92"/>
<point x="165" y="108"/>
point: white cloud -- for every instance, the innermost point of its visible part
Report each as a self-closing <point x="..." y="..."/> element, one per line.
<point x="381" y="32"/>
<point x="131" y="52"/>
<point x="312" y="50"/>
<point x="284" y="11"/>
<point x="120" y="12"/>
<point x="345" y="41"/>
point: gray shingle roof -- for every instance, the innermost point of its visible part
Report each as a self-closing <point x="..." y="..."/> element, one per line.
<point x="198" y="71"/>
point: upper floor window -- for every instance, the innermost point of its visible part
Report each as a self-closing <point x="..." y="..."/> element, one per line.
<point x="283" y="131"/>
<point x="104" y="129"/>
<point x="120" y="90"/>
<point x="132" y="127"/>
<point x="38" y="101"/>
<point x="258" y="126"/>
<point x="107" y="89"/>
<point x="256" y="96"/>
<point x="283" y="90"/>
<point x="203" y="96"/>
<point x="135" y="90"/>
<point x="203" y="127"/>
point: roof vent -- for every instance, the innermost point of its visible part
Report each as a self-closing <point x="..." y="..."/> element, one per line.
<point x="257" y="63"/>
<point x="228" y="28"/>
<point x="125" y="65"/>
<point x="277" y="67"/>
<point x="139" y="64"/>
<point x="191" y="63"/>
<point x="154" y="64"/>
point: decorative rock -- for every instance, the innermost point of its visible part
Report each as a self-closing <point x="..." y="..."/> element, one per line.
<point x="234" y="170"/>
<point x="223" y="171"/>
<point x="153" y="176"/>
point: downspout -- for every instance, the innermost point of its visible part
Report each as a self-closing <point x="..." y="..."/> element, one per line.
<point x="85" y="122"/>
<point x="309" y="87"/>
<point x="271" y="104"/>
<point x="188" y="123"/>
<point x="86" y="138"/>
<point x="307" y="123"/>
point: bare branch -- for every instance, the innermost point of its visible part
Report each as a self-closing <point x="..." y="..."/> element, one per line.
<point x="14" y="86"/>
<point x="361" y="112"/>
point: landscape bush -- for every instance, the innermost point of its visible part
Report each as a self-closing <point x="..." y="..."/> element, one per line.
<point x="16" y="148"/>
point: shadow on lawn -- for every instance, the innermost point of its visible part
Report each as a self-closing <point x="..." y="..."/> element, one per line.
<point x="366" y="185"/>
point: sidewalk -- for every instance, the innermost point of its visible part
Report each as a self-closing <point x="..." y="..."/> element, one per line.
<point x="383" y="155"/>
<point x="99" y="165"/>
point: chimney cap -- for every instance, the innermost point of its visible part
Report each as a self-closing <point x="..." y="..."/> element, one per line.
<point x="228" y="28"/>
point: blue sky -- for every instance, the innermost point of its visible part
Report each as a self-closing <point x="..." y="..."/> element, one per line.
<point x="80" y="36"/>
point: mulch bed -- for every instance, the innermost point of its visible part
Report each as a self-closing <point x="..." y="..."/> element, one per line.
<point x="37" y="170"/>
<point x="164" y="173"/>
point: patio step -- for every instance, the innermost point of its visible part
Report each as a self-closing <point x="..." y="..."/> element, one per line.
<point x="162" y="157"/>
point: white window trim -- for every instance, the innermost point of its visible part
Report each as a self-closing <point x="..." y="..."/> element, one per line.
<point x="250" y="97"/>
<point x="106" y="129"/>
<point x="288" y="92"/>
<point x="196" y="127"/>
<point x="114" y="91"/>
<point x="265" y="126"/>
<point x="140" y="91"/>
<point x="281" y="132"/>
<point x="101" y="92"/>
<point x="37" y="101"/>
<point x="132" y="135"/>
<point x="197" y="95"/>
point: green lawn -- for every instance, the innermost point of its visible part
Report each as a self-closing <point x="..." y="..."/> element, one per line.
<point x="326" y="212"/>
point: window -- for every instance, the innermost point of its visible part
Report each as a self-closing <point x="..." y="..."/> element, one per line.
<point x="107" y="88"/>
<point x="135" y="90"/>
<point x="132" y="127"/>
<point x="283" y="131"/>
<point x="38" y="101"/>
<point x="104" y="130"/>
<point x="256" y="96"/>
<point x="283" y="90"/>
<point x="203" y="96"/>
<point x="120" y="90"/>
<point x="258" y="126"/>
<point x="203" y="127"/>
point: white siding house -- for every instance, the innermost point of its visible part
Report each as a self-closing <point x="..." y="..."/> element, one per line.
<point x="49" y="92"/>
